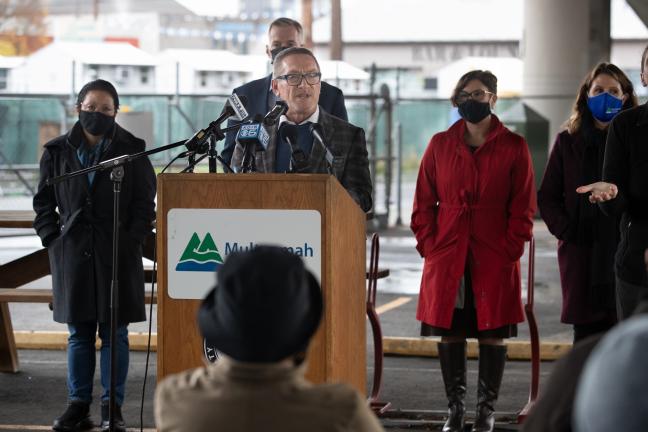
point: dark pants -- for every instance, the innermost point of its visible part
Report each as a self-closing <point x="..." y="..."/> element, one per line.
<point x="628" y="296"/>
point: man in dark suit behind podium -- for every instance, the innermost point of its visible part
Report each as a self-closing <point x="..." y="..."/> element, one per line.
<point x="283" y="33"/>
<point x="343" y="152"/>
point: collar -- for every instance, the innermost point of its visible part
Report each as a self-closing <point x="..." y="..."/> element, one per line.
<point x="643" y="116"/>
<point x="313" y="118"/>
<point x="259" y="371"/>
<point x="458" y="129"/>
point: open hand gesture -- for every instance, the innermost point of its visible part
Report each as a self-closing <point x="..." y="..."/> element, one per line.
<point x="599" y="191"/>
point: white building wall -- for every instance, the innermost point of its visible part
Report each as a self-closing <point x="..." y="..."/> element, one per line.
<point x="426" y="57"/>
<point x="125" y="78"/>
<point x="167" y="76"/>
<point x="45" y="71"/>
<point x="145" y="27"/>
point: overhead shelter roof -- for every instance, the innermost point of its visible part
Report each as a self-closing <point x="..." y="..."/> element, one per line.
<point x="407" y="21"/>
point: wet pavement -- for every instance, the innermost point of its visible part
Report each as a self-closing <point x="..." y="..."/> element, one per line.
<point x="32" y="398"/>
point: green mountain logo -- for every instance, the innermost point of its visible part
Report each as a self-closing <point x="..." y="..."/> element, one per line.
<point x="200" y="256"/>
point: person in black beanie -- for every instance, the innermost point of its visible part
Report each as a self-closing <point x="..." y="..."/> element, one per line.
<point x="74" y="220"/>
<point x="260" y="317"/>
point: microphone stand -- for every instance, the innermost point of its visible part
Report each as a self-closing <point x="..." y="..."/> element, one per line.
<point x="116" y="165"/>
<point x="193" y="162"/>
<point x="218" y="134"/>
<point x="213" y="154"/>
<point x="248" y="164"/>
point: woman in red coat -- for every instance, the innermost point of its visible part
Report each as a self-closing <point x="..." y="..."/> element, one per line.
<point x="473" y="211"/>
<point x="587" y="238"/>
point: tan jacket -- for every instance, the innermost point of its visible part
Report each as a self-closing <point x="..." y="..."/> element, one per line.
<point x="236" y="397"/>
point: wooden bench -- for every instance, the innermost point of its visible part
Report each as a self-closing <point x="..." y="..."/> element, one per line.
<point x="24" y="270"/>
<point x="27" y="295"/>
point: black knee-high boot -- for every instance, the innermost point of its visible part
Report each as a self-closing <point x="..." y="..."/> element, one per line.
<point x="452" y="357"/>
<point x="492" y="359"/>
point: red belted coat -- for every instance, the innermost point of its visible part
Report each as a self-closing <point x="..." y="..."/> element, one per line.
<point x="477" y="207"/>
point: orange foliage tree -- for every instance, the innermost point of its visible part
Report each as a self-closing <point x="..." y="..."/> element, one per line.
<point x="22" y="27"/>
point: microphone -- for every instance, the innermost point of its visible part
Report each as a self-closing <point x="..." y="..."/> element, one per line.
<point x="234" y="106"/>
<point x="298" y="159"/>
<point x="238" y="106"/>
<point x="316" y="130"/>
<point x="273" y="115"/>
<point x="254" y="134"/>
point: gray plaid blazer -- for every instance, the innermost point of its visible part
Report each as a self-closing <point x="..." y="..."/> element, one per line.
<point x="349" y="150"/>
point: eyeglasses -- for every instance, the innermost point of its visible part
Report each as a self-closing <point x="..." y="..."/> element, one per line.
<point x="295" y="79"/>
<point x="104" y="109"/>
<point x="478" y="95"/>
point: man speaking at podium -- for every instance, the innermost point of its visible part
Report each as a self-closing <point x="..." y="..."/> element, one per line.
<point x="307" y="139"/>
<point x="283" y="33"/>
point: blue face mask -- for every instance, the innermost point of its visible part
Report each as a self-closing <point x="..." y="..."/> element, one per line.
<point x="604" y="106"/>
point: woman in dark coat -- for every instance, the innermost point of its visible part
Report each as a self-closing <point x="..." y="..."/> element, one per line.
<point x="623" y="193"/>
<point x="74" y="220"/>
<point x="587" y="238"/>
<point x="473" y="211"/>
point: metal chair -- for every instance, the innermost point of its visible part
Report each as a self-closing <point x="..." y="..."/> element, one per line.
<point x="373" y="274"/>
<point x="533" y="333"/>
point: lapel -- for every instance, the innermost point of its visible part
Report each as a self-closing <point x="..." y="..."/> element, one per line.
<point x="318" y="155"/>
<point x="643" y="115"/>
<point x="108" y="153"/>
<point x="70" y="156"/>
<point x="268" y="99"/>
<point x="267" y="158"/>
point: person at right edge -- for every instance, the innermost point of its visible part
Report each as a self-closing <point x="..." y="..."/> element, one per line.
<point x="623" y="192"/>
<point x="587" y="238"/>
<point x="473" y="211"/>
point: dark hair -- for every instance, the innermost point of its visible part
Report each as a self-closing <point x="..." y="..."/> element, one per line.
<point x="581" y="112"/>
<point x="98" y="84"/>
<point x="287" y="22"/>
<point x="643" y="58"/>
<point x="485" y="77"/>
<point x="288" y="52"/>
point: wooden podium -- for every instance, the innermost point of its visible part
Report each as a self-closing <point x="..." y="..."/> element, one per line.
<point x="338" y="350"/>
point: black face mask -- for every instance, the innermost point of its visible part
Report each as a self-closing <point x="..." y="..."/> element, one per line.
<point x="276" y="51"/>
<point x="473" y="111"/>
<point x="96" y="123"/>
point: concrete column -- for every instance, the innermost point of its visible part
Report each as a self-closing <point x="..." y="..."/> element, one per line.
<point x="555" y="51"/>
<point x="600" y="43"/>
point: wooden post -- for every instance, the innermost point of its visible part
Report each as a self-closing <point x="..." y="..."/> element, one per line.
<point x="336" y="30"/>
<point x="8" y="354"/>
<point x="307" y="23"/>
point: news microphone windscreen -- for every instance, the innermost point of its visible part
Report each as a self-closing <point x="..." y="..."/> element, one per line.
<point x="288" y="131"/>
<point x="277" y="111"/>
<point x="238" y="104"/>
<point x="253" y="134"/>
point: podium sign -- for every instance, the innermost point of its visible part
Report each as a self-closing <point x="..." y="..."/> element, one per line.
<point x="201" y="218"/>
<point x="199" y="240"/>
